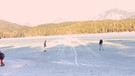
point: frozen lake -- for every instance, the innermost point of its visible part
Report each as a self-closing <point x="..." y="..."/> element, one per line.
<point x="70" y="55"/>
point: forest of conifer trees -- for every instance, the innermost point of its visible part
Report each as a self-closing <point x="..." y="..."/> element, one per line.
<point x="82" y="27"/>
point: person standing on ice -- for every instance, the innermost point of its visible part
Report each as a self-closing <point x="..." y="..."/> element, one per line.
<point x="2" y="56"/>
<point x="45" y="46"/>
<point x="101" y="44"/>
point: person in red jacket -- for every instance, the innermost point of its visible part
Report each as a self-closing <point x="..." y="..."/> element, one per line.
<point x="2" y="56"/>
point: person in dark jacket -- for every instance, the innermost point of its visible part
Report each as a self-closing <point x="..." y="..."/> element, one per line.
<point x="45" y="46"/>
<point x="101" y="44"/>
<point x="2" y="56"/>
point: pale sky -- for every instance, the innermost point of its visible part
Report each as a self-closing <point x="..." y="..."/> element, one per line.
<point x="34" y="12"/>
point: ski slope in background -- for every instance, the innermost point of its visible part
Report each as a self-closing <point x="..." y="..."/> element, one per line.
<point x="71" y="55"/>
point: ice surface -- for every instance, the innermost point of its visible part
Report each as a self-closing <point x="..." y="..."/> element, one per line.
<point x="70" y="55"/>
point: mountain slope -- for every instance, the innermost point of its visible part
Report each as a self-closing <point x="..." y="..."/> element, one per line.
<point x="8" y="29"/>
<point x="114" y="14"/>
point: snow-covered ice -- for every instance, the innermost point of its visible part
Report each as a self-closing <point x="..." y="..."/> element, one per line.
<point x="71" y="55"/>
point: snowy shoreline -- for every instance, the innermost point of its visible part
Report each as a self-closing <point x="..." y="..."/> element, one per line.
<point x="97" y="35"/>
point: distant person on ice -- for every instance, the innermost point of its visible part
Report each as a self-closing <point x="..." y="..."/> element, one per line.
<point x="45" y="46"/>
<point x="2" y="56"/>
<point x="101" y="44"/>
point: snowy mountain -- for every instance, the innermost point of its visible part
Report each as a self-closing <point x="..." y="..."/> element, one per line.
<point x="132" y="16"/>
<point x="115" y="14"/>
<point x="59" y="20"/>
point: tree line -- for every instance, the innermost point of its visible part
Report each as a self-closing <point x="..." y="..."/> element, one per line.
<point x="80" y="27"/>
